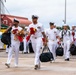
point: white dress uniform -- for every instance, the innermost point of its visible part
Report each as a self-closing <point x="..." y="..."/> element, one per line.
<point x="7" y="49"/>
<point x="36" y="40"/>
<point x="66" y="41"/>
<point x="14" y="47"/>
<point x="24" y="41"/>
<point x="52" y="41"/>
<point x="25" y="45"/>
<point x="57" y="32"/>
<point x="73" y="36"/>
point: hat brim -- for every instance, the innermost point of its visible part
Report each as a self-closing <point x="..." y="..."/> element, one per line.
<point x="34" y="17"/>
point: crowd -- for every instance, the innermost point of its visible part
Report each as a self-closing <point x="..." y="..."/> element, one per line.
<point x="38" y="37"/>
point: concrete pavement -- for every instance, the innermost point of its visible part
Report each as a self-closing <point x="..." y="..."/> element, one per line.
<point x="26" y="66"/>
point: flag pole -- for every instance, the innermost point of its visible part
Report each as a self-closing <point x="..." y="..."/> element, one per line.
<point x="65" y="11"/>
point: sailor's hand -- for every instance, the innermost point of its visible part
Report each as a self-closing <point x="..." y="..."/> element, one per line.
<point x="45" y="43"/>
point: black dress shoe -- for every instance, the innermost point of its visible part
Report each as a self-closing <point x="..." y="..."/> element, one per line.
<point x="8" y="65"/>
<point x="67" y="59"/>
<point x="6" y="52"/>
<point x="25" y="52"/>
<point x="37" y="67"/>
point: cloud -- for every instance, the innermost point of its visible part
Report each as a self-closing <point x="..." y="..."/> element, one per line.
<point x="47" y="10"/>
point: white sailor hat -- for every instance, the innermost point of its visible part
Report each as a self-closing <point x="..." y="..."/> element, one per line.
<point x="51" y="23"/>
<point x="65" y="25"/>
<point x="35" y="17"/>
<point x="16" y="20"/>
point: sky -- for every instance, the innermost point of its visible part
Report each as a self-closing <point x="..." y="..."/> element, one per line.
<point x="47" y="10"/>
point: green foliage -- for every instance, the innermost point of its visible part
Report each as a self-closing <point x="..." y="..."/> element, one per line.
<point x="60" y="28"/>
<point x="4" y="26"/>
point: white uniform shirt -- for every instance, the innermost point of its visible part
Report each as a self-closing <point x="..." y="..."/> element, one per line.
<point x="51" y="34"/>
<point x="72" y="35"/>
<point x="39" y="29"/>
<point x="13" y="35"/>
<point x="75" y="34"/>
<point x="66" y="36"/>
<point x="56" y="30"/>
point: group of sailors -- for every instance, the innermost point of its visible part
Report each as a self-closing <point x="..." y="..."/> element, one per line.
<point x="39" y="38"/>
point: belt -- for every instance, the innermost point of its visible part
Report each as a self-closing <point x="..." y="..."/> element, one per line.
<point x="52" y="40"/>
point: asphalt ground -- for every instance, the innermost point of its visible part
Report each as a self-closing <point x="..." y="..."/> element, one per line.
<point x="26" y="66"/>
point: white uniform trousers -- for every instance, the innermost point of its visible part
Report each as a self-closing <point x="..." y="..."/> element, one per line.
<point x="14" y="48"/>
<point x="36" y="44"/>
<point x="52" y="46"/>
<point x="7" y="49"/>
<point x="66" y="49"/>
<point x="24" y="40"/>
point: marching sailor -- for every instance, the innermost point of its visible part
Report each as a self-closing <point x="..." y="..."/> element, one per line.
<point x="52" y="40"/>
<point x="66" y="37"/>
<point x="36" y="31"/>
<point x="15" y="43"/>
<point x="25" y="42"/>
<point x="73" y="35"/>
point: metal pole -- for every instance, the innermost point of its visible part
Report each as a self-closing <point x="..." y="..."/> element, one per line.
<point x="0" y="14"/>
<point x="65" y="11"/>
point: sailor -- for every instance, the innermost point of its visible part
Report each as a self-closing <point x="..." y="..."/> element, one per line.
<point x="73" y="35"/>
<point x="36" y="38"/>
<point x="52" y="40"/>
<point x="66" y="37"/>
<point x="25" y="42"/>
<point x="15" y="43"/>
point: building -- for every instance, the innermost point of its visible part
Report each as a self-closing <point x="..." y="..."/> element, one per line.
<point x="8" y="19"/>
